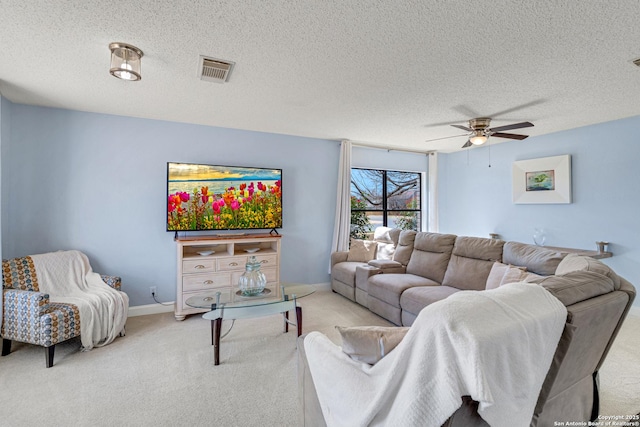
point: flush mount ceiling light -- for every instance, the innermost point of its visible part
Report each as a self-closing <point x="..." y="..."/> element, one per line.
<point x="478" y="137"/>
<point x="125" y="61"/>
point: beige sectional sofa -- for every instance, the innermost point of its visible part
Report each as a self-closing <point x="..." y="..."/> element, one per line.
<point x="428" y="267"/>
<point x="597" y="302"/>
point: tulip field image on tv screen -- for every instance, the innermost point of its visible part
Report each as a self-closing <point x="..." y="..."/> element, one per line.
<point x="206" y="197"/>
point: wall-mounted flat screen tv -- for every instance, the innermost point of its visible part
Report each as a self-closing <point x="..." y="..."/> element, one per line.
<point x="208" y="197"/>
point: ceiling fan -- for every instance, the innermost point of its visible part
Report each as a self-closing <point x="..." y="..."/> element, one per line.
<point x="479" y="131"/>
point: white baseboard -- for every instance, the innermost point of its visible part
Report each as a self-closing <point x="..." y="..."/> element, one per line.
<point x="323" y="286"/>
<point x="143" y="310"/>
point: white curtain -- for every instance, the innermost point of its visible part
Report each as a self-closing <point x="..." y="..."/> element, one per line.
<point x="433" y="192"/>
<point x="342" y="223"/>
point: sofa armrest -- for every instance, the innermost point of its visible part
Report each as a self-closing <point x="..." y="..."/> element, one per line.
<point x="337" y="257"/>
<point x="30" y="305"/>
<point x="311" y="414"/>
<point x="388" y="266"/>
<point x="363" y="273"/>
<point x="114" y="281"/>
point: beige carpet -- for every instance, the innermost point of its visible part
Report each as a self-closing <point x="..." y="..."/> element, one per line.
<point x="620" y="372"/>
<point x="162" y="373"/>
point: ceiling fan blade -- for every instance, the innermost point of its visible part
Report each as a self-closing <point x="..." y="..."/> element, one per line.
<point x="468" y="144"/>
<point x="445" y="137"/>
<point x="509" y="135"/>
<point x="463" y="128"/>
<point x="517" y="107"/>
<point x="510" y="127"/>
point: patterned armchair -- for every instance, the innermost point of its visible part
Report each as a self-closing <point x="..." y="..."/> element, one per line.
<point x="29" y="316"/>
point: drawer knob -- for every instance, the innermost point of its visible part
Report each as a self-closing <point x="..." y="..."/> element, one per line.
<point x="264" y="261"/>
<point x="233" y="264"/>
<point x="199" y="266"/>
<point x="208" y="282"/>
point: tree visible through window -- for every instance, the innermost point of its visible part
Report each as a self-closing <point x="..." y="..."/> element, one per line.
<point x="384" y="198"/>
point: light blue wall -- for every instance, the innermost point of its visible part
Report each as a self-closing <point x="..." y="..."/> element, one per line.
<point x="98" y="183"/>
<point x="4" y="136"/>
<point x="476" y="200"/>
<point x="5" y="106"/>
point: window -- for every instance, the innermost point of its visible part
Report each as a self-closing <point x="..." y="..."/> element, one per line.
<point x="384" y="198"/>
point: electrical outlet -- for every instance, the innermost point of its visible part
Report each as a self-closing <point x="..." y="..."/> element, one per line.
<point x="153" y="291"/>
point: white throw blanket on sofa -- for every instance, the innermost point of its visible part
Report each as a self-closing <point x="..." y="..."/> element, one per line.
<point x="495" y="346"/>
<point x="67" y="277"/>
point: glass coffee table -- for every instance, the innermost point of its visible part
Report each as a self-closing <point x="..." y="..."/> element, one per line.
<point x="247" y="307"/>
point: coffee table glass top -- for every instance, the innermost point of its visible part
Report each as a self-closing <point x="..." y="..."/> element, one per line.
<point x="288" y="292"/>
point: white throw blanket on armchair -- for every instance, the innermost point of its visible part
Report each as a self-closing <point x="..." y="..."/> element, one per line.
<point x="495" y="346"/>
<point x="67" y="277"/>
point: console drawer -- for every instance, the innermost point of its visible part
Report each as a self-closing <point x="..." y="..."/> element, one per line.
<point x="267" y="260"/>
<point x="190" y="266"/>
<point x="196" y="282"/>
<point x="232" y="263"/>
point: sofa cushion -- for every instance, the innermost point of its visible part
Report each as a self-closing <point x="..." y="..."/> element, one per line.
<point x="471" y="262"/>
<point x="389" y="287"/>
<point x="576" y="286"/>
<point x="415" y="299"/>
<point x="369" y="344"/>
<point x="537" y="259"/>
<point x="345" y="272"/>
<point x="431" y="254"/>
<point x="361" y="250"/>
<point x="574" y="262"/>
<point x="404" y="248"/>
<point x="502" y="274"/>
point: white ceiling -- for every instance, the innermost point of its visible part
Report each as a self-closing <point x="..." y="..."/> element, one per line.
<point x="385" y="72"/>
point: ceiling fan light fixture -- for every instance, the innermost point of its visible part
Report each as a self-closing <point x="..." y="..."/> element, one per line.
<point x="478" y="138"/>
<point x="125" y="61"/>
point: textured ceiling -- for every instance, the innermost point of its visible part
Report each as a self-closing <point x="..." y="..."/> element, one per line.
<point x="387" y="72"/>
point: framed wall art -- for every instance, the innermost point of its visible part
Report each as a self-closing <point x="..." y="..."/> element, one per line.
<point x="543" y="180"/>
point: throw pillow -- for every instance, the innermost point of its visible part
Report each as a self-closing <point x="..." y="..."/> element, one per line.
<point x="385" y="250"/>
<point x="502" y="274"/>
<point x="530" y="277"/>
<point x="575" y="262"/>
<point x="361" y="250"/>
<point x="381" y="235"/>
<point x="369" y="344"/>
<point x="495" y="275"/>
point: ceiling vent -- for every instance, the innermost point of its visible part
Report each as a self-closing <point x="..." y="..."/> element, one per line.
<point x="214" y="70"/>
